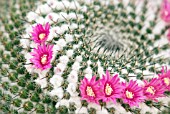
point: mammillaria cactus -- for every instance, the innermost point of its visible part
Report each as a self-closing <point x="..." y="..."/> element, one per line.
<point x="76" y="56"/>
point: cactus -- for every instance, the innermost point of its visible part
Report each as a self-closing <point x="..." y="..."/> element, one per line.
<point x="89" y="37"/>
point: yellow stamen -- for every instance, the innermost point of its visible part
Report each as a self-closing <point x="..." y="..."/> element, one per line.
<point x="129" y="94"/>
<point x="167" y="81"/>
<point x="90" y="92"/>
<point x="151" y="90"/>
<point x="108" y="89"/>
<point x="41" y="36"/>
<point x="44" y="59"/>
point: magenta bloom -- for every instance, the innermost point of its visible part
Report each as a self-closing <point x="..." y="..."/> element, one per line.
<point x="40" y="33"/>
<point x="42" y="56"/>
<point x="154" y="89"/>
<point x="132" y="93"/>
<point x="111" y="88"/>
<point x="165" y="77"/>
<point x="90" y="90"/>
<point x="165" y="11"/>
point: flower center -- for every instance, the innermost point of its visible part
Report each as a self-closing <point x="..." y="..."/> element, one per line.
<point x="167" y="81"/>
<point x="151" y="90"/>
<point x="129" y="94"/>
<point x="108" y="89"/>
<point x="44" y="59"/>
<point x="90" y="92"/>
<point x="41" y="36"/>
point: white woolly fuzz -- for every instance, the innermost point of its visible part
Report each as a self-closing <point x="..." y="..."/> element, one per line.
<point x="41" y="73"/>
<point x="61" y="43"/>
<point x="100" y="71"/>
<point x="68" y="37"/>
<point x="73" y="26"/>
<point x="88" y="76"/>
<point x="52" y="18"/>
<point x="40" y="20"/>
<point x="61" y="67"/>
<point x="64" y="59"/>
<point x="31" y="16"/>
<point x="82" y="110"/>
<point x="79" y="58"/>
<point x="72" y="77"/>
<point x="52" y="3"/>
<point x="65" y="27"/>
<point x="29" y="68"/>
<point x="102" y="111"/>
<point x="70" y="53"/>
<point x="72" y="89"/>
<point x="63" y="102"/>
<point x="76" y="100"/>
<point x="56" y="48"/>
<point x="88" y="70"/>
<point x="56" y="81"/>
<point x="58" y="92"/>
<point x="43" y="9"/>
<point x="94" y="105"/>
<point x="76" y="66"/>
<point x="25" y="43"/>
<point x="28" y="56"/>
<point x="42" y="82"/>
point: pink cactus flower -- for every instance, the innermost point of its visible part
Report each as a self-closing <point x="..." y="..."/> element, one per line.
<point x="132" y="93"/>
<point x="153" y="89"/>
<point x="42" y="56"/>
<point x="40" y="33"/>
<point x="90" y="90"/>
<point x="165" y="11"/>
<point x="111" y="87"/>
<point x="165" y="77"/>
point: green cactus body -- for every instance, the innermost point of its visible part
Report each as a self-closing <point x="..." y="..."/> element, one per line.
<point x="89" y="37"/>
